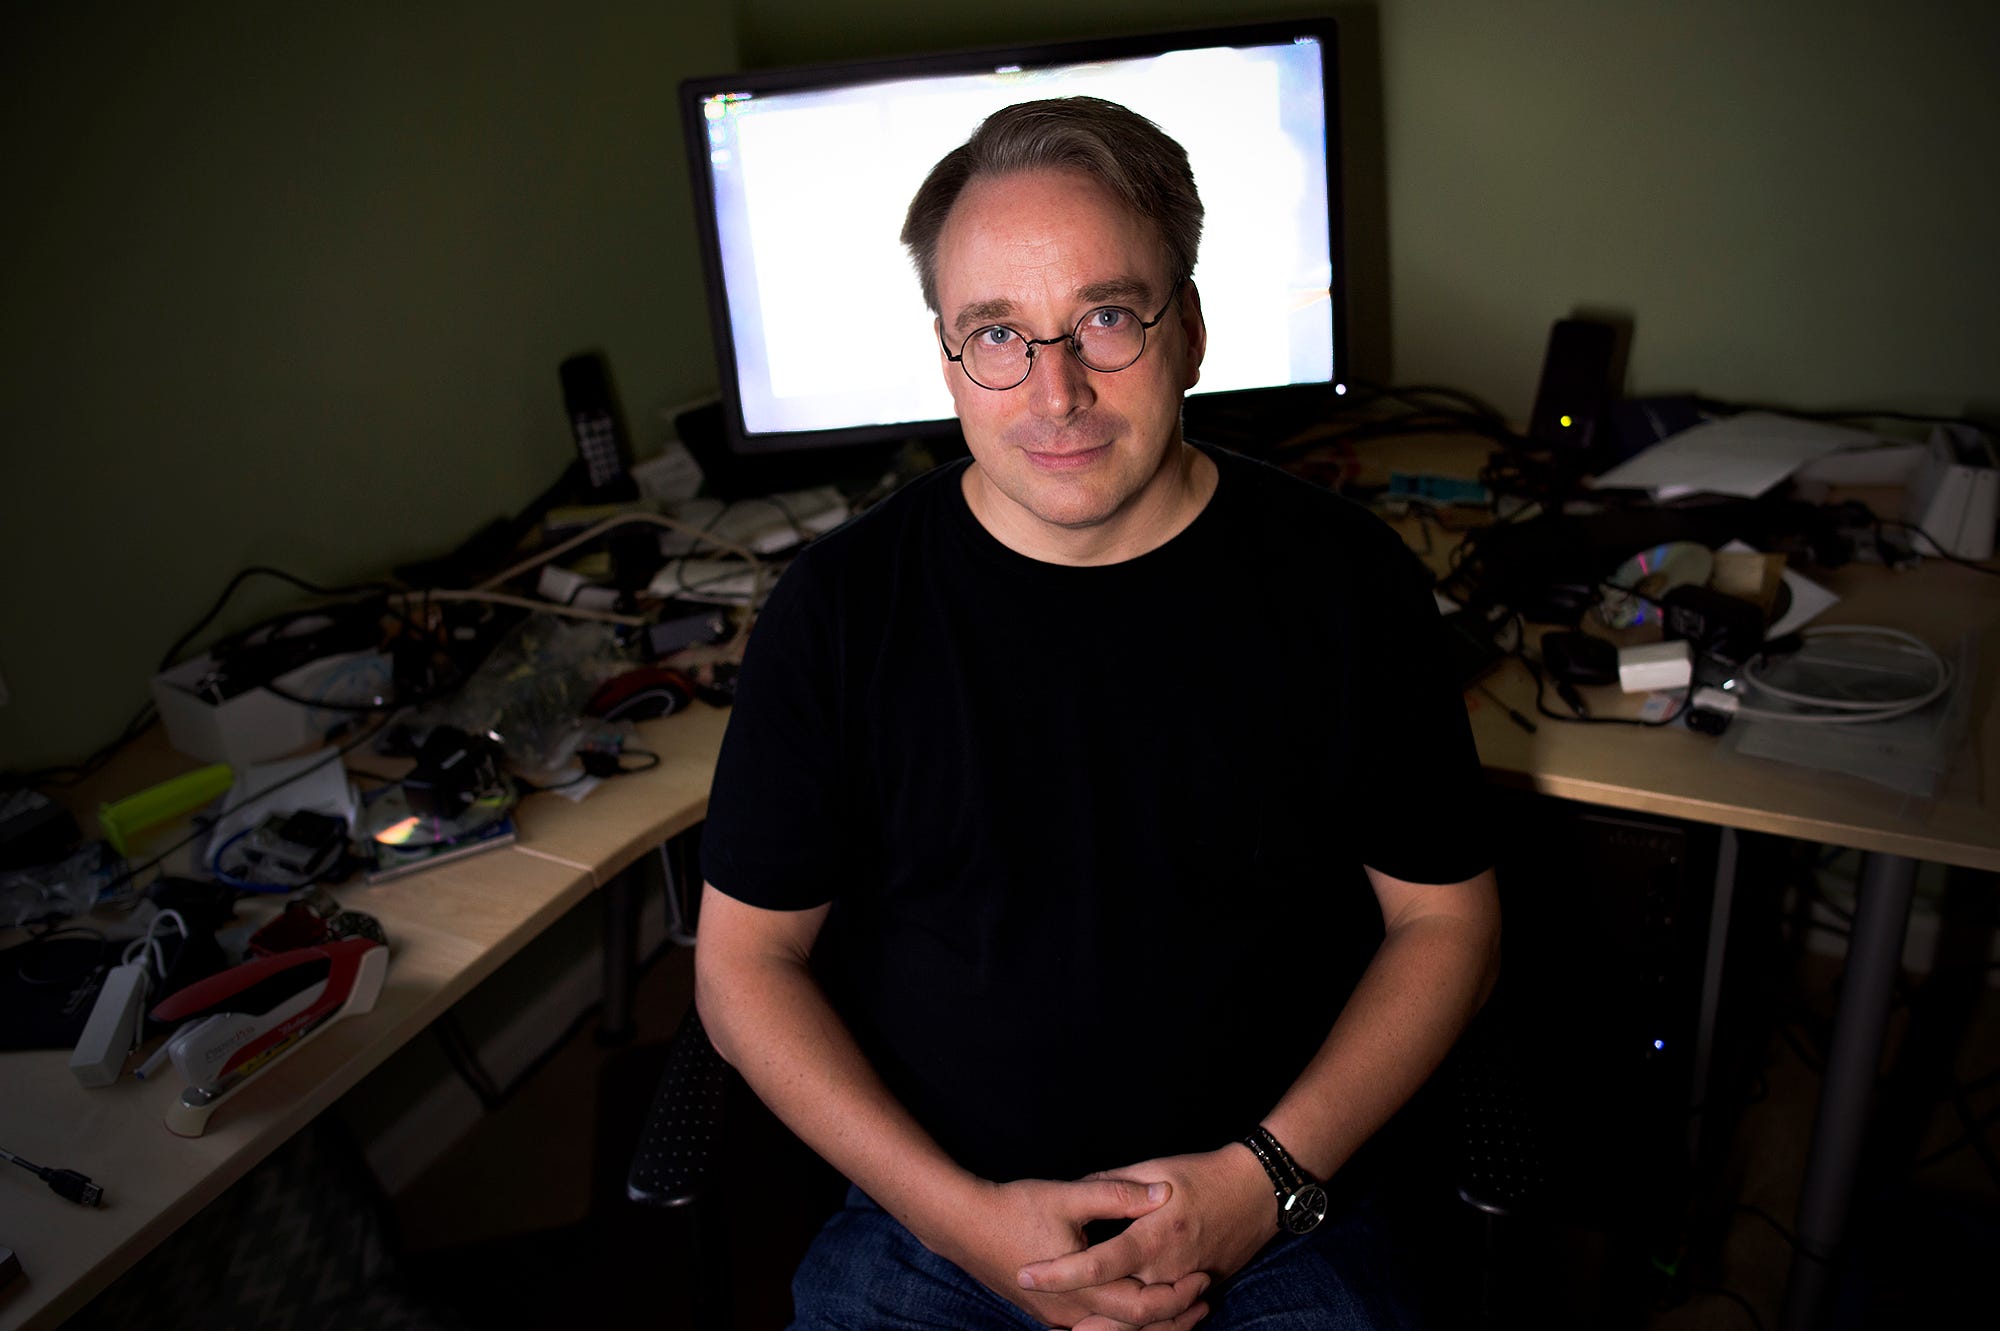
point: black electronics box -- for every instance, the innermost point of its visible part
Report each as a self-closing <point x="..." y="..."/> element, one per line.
<point x="1607" y="920"/>
<point x="1581" y="377"/>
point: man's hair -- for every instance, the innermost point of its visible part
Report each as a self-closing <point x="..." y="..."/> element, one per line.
<point x="1118" y="148"/>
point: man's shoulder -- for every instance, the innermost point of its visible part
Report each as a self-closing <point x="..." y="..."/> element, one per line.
<point x="911" y="519"/>
<point x="915" y="510"/>
<point x="1287" y="510"/>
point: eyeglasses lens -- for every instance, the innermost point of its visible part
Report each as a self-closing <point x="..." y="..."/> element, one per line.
<point x="1107" y="339"/>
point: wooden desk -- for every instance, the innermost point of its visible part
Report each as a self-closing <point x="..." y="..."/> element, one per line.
<point x="1678" y="772"/>
<point x="449" y="927"/>
<point x="455" y="925"/>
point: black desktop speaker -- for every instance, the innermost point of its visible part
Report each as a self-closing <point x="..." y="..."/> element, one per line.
<point x="1581" y="376"/>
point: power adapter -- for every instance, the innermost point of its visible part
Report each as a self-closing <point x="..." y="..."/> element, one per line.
<point x="1575" y="657"/>
<point x="1655" y="667"/>
<point x="1726" y="627"/>
<point x="113" y="1028"/>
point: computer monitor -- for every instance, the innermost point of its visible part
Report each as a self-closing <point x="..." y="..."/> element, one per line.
<point x="802" y="176"/>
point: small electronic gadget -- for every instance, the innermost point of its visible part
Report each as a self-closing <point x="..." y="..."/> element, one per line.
<point x="114" y="1025"/>
<point x="454" y="772"/>
<point x="641" y="694"/>
<point x="1726" y="627"/>
<point x="1574" y="657"/>
<point x="1580" y="379"/>
<point x="1655" y="667"/>
<point x="595" y="425"/>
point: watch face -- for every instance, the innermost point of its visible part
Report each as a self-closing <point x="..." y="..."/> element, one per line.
<point x="1304" y="1209"/>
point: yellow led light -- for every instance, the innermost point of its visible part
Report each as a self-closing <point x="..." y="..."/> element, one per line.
<point x="1568" y="421"/>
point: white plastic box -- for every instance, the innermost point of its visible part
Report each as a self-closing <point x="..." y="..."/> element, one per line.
<point x="258" y="725"/>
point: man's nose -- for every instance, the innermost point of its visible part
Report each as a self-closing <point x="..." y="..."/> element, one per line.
<point x="1060" y="382"/>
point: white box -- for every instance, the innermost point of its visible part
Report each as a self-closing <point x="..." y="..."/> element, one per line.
<point x="1656" y="666"/>
<point x="256" y="724"/>
<point x="1956" y="496"/>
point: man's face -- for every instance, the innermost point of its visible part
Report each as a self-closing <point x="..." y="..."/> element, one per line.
<point x="1071" y="448"/>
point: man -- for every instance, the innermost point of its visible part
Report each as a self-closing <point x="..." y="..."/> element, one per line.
<point x="1041" y="846"/>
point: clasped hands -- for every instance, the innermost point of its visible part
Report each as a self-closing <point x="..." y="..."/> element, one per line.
<point x="1195" y="1219"/>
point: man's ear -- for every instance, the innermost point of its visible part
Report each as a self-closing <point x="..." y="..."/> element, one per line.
<point x="1195" y="330"/>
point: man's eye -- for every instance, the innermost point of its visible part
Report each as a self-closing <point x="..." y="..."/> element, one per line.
<point x="995" y="336"/>
<point x="1107" y="318"/>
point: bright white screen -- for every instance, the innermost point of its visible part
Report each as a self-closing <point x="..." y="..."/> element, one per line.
<point x="830" y="329"/>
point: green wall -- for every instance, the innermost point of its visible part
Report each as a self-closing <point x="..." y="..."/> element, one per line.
<point x="289" y="285"/>
<point x="1795" y="200"/>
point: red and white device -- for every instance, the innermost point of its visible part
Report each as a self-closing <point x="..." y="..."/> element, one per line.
<point x="242" y="1020"/>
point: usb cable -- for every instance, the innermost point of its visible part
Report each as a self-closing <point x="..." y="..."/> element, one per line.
<point x="66" y="1182"/>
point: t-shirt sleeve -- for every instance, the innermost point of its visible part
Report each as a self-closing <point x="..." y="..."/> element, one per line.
<point x="1419" y="781"/>
<point x="777" y="829"/>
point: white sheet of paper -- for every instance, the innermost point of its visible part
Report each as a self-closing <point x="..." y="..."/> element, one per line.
<point x="1743" y="455"/>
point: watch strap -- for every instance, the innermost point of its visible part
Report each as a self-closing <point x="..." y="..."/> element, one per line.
<point x="1301" y="1200"/>
<point x="1279" y="1164"/>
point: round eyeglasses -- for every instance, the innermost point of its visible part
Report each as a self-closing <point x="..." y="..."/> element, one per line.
<point x="1107" y="339"/>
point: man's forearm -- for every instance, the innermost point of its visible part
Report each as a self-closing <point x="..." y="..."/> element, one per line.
<point x="771" y="1021"/>
<point x="1438" y="960"/>
<point x="1426" y="981"/>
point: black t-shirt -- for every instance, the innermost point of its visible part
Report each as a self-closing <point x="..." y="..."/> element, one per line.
<point x="1094" y="836"/>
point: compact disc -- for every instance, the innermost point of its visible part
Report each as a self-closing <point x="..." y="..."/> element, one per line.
<point x="1632" y="594"/>
<point x="390" y="821"/>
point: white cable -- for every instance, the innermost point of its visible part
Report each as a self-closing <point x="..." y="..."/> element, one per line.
<point x="1848" y="711"/>
<point x="526" y="603"/>
<point x="150" y="942"/>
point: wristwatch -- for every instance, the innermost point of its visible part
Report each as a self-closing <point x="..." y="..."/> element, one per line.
<point x="1301" y="1202"/>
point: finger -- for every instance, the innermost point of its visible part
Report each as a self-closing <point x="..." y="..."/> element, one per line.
<point x="1195" y="1312"/>
<point x="1115" y="1199"/>
<point x="1181" y="1323"/>
<point x="1128" y="1300"/>
<point x="1114" y="1259"/>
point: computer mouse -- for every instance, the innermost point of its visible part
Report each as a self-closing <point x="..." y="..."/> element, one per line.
<point x="640" y="695"/>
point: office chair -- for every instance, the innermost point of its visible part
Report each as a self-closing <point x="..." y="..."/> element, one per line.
<point x="1464" y="1201"/>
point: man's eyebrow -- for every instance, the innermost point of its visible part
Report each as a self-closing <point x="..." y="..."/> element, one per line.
<point x="981" y="313"/>
<point x="1116" y="288"/>
<point x="1124" y="288"/>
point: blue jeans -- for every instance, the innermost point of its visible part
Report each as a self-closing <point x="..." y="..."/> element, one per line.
<point x="865" y="1272"/>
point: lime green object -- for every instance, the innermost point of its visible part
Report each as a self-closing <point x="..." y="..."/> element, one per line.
<point x="155" y="805"/>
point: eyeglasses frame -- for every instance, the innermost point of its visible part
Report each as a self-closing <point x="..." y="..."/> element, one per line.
<point x="1145" y="326"/>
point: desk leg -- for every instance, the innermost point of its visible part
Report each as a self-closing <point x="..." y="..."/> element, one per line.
<point x="1722" y="908"/>
<point x="621" y="959"/>
<point x="1874" y="955"/>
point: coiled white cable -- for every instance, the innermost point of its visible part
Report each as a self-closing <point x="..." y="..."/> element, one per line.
<point x="1851" y="711"/>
